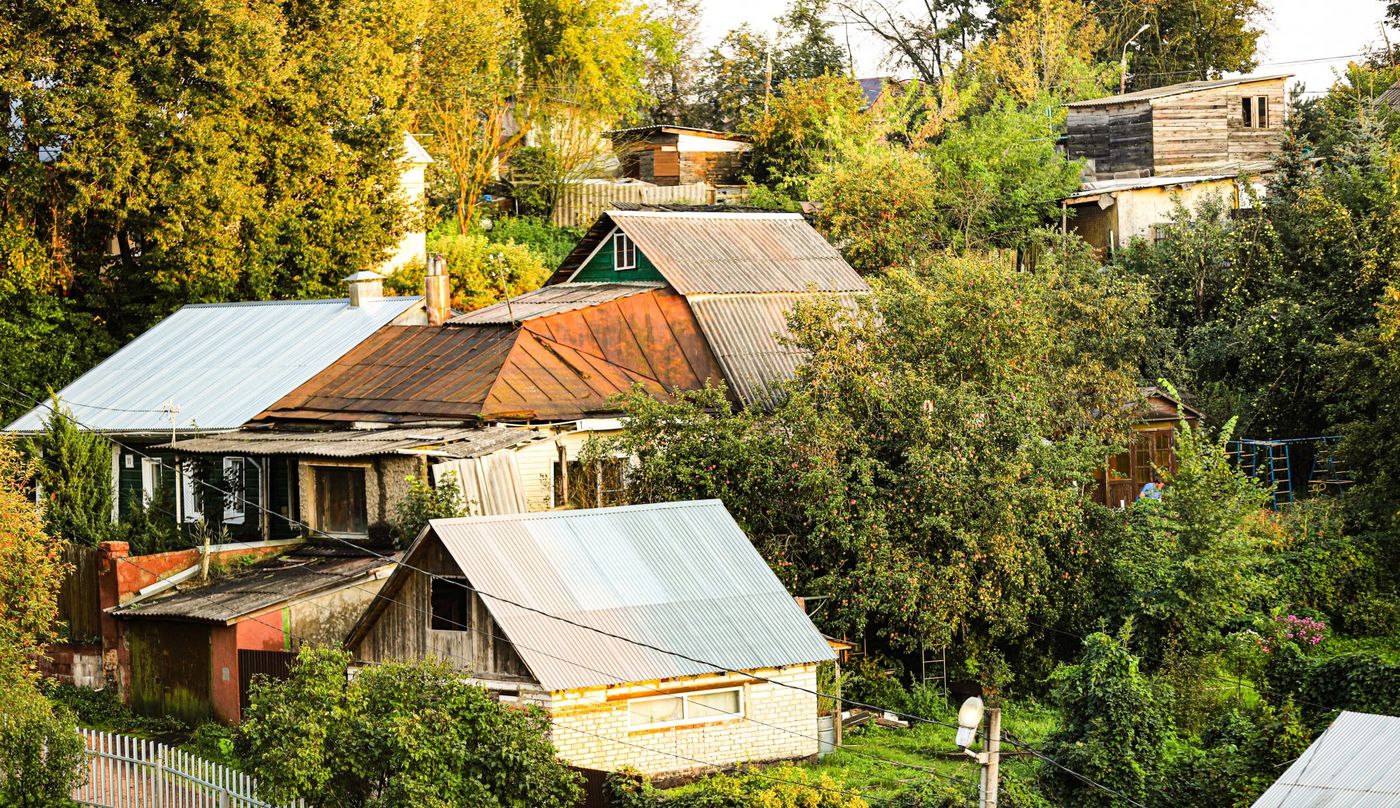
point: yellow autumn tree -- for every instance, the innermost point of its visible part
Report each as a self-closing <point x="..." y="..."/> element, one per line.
<point x="1046" y="49"/>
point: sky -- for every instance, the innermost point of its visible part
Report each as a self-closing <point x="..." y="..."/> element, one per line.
<point x="1303" y="37"/>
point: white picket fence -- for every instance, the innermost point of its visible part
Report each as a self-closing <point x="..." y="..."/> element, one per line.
<point x="126" y="772"/>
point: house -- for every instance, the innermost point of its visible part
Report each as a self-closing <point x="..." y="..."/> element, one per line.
<point x="662" y="154"/>
<point x="210" y="368"/>
<point x="1352" y="764"/>
<point x="877" y="88"/>
<point x="1151" y="451"/>
<point x="664" y="300"/>
<point x="1146" y="149"/>
<point x="654" y="636"/>
<point x="412" y="248"/>
<point x="348" y="482"/>
<point x="192" y="649"/>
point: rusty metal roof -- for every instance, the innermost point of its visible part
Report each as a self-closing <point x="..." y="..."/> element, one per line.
<point x="549" y="300"/>
<point x="681" y="576"/>
<point x="260" y="587"/>
<point x="220" y="363"/>
<point x="1174" y="89"/>
<point x="1354" y="763"/>
<point x="444" y="442"/>
<point x="750" y="337"/>
<point x="560" y="366"/>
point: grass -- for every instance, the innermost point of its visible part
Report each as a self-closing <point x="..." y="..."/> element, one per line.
<point x="858" y="762"/>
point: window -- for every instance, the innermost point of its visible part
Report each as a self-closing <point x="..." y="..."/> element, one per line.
<point x="687" y="708"/>
<point x="235" y="502"/>
<point x="1254" y="111"/>
<point x="450" y="598"/>
<point x="150" y="479"/>
<point x="624" y="253"/>
<point x="340" y="500"/>
<point x="589" y="485"/>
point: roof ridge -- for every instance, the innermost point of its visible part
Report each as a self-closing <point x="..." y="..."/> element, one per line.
<point x="535" y="516"/>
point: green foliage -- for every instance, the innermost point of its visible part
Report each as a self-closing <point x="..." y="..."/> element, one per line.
<point x="1241" y="754"/>
<point x="1185" y="40"/>
<point x="1363" y="681"/>
<point x="483" y="272"/>
<point x="30" y="570"/>
<point x="1114" y="728"/>
<point x="1194" y="563"/>
<point x="783" y="786"/>
<point x="399" y="734"/>
<point x="425" y="502"/>
<point x="75" y="476"/>
<point x="552" y="244"/>
<point x="881" y="205"/>
<point x="217" y="742"/>
<point x="809" y="49"/>
<point x="41" y="754"/>
<point x="811" y="123"/>
<point x="104" y="710"/>
<point x="149" y="527"/>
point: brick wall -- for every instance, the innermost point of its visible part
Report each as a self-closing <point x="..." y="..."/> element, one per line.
<point x="788" y="727"/>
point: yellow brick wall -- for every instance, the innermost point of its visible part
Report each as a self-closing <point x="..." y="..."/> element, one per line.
<point x="779" y="723"/>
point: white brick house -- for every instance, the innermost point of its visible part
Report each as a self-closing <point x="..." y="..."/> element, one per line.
<point x="654" y="636"/>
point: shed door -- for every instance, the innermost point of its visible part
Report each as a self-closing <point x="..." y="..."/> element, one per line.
<point x="272" y="664"/>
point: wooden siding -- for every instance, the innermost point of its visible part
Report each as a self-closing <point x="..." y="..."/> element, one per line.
<point x="78" y="600"/>
<point x="400" y="627"/>
<point x="599" y="268"/>
<point x="1117" y="138"/>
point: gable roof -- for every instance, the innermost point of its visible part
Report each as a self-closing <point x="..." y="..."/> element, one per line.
<point x="708" y="252"/>
<point x="1354" y="763"/>
<point x="557" y="366"/>
<point x="679" y="576"/>
<point x="549" y="300"/>
<point x="1166" y="91"/>
<point x="221" y="363"/>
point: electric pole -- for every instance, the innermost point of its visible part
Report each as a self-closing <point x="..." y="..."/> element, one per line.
<point x="991" y="759"/>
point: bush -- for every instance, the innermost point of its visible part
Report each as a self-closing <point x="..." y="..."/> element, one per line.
<point x="876" y="681"/>
<point x="552" y="244"/>
<point x="783" y="786"/>
<point x="424" y="502"/>
<point x="217" y="742"/>
<point x="1364" y="681"/>
<point x="482" y="271"/>
<point x="103" y="709"/>
<point x="75" y="476"/>
<point x="41" y="753"/>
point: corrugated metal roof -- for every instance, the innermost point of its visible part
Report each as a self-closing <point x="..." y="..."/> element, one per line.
<point x="549" y="300"/>
<point x="261" y="587"/>
<point x="221" y="364"/>
<point x="680" y="576"/>
<point x="1174" y="89"/>
<point x="1225" y="172"/>
<point x="748" y="334"/>
<point x="713" y="253"/>
<point x="450" y="442"/>
<point x="564" y="366"/>
<point x="1355" y="763"/>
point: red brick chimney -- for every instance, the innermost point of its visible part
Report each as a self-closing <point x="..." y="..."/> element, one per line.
<point x="437" y="290"/>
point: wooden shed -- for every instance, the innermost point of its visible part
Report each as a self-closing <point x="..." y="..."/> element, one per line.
<point x="680" y="155"/>
<point x="1151" y="452"/>
<point x="1178" y="128"/>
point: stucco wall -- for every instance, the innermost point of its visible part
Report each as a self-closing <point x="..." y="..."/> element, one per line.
<point x="385" y="484"/>
<point x="327" y="618"/>
<point x="779" y="723"/>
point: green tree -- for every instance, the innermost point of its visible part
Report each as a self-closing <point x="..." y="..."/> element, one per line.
<point x="423" y="503"/>
<point x="672" y="71"/>
<point x="400" y="734"/>
<point x="1186" y="40"/>
<point x="75" y="477"/>
<point x="1113" y="728"/>
<point x="482" y="271"/>
<point x="733" y="82"/>
<point x="808" y="49"/>
<point x="1043" y="50"/>
<point x="811" y="124"/>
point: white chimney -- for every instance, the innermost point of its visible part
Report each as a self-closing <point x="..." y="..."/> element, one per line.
<point x="437" y="290"/>
<point x="365" y="287"/>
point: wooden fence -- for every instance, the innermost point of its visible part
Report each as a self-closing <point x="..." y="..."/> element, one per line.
<point x="78" y="603"/>
<point x="579" y="204"/>
<point x="126" y="772"/>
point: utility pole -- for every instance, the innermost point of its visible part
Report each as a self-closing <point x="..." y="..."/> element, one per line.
<point x="767" y="75"/>
<point x="991" y="759"/>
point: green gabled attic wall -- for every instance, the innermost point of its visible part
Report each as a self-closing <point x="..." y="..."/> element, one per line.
<point x="599" y="268"/>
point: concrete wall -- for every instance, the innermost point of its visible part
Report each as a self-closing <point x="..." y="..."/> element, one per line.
<point x="413" y="247"/>
<point x="385" y="484"/>
<point x="1135" y="213"/>
<point x="788" y="727"/>
<point x="327" y="618"/>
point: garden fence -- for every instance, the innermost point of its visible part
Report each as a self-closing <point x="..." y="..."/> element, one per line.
<point x="126" y="772"/>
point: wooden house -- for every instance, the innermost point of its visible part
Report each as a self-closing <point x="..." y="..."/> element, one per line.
<point x="1148" y="149"/>
<point x="1151" y="451"/>
<point x="654" y="636"/>
<point x="680" y="155"/>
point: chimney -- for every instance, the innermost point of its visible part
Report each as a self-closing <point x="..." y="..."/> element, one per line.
<point x="437" y="290"/>
<point x="365" y="287"/>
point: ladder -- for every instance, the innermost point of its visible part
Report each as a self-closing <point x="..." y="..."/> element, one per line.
<point x="933" y="667"/>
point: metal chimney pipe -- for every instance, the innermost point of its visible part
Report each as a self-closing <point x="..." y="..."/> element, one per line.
<point x="437" y="290"/>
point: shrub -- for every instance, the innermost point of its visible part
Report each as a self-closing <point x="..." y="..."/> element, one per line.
<point x="784" y="786"/>
<point x="103" y="709"/>
<point x="424" y="502"/>
<point x="482" y="271"/>
<point x="214" y="741"/>
<point x="552" y="244"/>
<point x="41" y="753"/>
<point x="75" y="476"/>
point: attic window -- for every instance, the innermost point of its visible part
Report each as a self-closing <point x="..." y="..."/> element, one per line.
<point x="1254" y="112"/>
<point x="450" y="605"/>
<point x="624" y="253"/>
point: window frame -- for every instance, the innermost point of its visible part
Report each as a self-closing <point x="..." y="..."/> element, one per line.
<point x="686" y="717"/>
<point x="319" y="504"/>
<point x="236" y="500"/>
<point x="623" y="245"/>
<point x="463" y="625"/>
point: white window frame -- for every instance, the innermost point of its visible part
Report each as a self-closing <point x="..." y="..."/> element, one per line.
<point x="708" y="716"/>
<point x="150" y="477"/>
<point x="189" y="511"/>
<point x="623" y="246"/>
<point x="236" y="511"/>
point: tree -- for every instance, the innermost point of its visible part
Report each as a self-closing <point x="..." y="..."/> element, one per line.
<point x="1186" y="40"/>
<point x="1044" y="50"/>
<point x="810" y="124"/>
<point x="930" y="43"/>
<point x="482" y="271"/>
<point x="75" y="477"/>
<point x="583" y="55"/>
<point x="881" y="205"/>
<point x="808" y="47"/>
<point x="734" y="83"/>
<point x="1113" y="729"/>
<point x="423" y="503"/>
<point x="672" y="70"/>
<point x="396" y="735"/>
